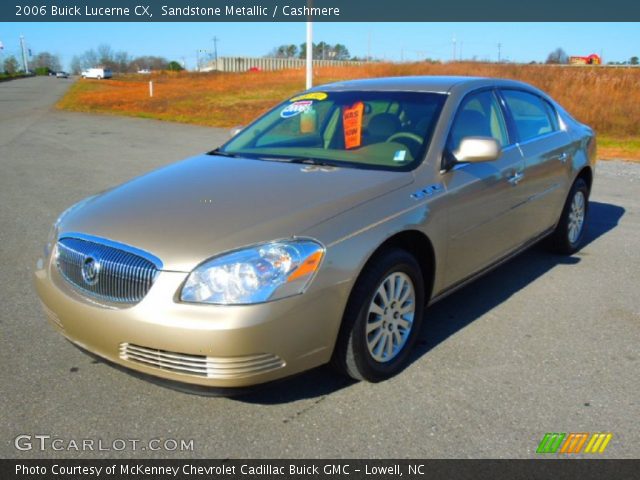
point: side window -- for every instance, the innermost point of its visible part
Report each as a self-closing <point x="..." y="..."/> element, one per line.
<point x="479" y="115"/>
<point x="533" y="116"/>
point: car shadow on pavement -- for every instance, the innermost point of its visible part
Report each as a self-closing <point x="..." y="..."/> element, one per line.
<point x="450" y="315"/>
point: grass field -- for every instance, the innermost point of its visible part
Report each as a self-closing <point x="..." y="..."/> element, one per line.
<point x="608" y="99"/>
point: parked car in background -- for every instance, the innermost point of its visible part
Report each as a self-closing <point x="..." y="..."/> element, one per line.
<point x="320" y="232"/>
<point x="97" y="73"/>
<point x="62" y="75"/>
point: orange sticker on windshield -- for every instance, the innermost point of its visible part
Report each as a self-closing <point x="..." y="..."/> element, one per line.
<point x="352" y="124"/>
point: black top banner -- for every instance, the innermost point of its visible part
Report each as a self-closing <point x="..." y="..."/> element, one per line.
<point x="317" y="10"/>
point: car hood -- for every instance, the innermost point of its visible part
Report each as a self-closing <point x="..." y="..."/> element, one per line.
<point x="192" y="210"/>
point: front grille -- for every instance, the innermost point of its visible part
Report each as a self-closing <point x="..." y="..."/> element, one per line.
<point x="200" y="365"/>
<point x="105" y="271"/>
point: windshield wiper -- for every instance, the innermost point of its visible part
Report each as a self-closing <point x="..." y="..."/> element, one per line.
<point x="275" y="158"/>
<point x="221" y="153"/>
<point x="310" y="161"/>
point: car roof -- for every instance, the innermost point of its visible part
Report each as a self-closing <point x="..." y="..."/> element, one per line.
<point x="439" y="84"/>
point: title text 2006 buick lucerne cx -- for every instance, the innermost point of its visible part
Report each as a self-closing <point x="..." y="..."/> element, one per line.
<point x="320" y="232"/>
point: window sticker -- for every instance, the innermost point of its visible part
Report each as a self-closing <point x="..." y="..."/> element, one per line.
<point x="296" y="108"/>
<point x="319" y="96"/>
<point x="399" y="156"/>
<point x="352" y="124"/>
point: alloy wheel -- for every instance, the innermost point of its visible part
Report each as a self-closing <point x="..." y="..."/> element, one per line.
<point x="576" y="217"/>
<point x="390" y="317"/>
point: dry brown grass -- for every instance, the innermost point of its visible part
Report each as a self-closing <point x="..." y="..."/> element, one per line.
<point x="606" y="98"/>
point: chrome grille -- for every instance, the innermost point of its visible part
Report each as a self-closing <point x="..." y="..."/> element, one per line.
<point x="106" y="270"/>
<point x="200" y="365"/>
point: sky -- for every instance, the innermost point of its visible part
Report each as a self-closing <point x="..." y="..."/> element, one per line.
<point x="519" y="42"/>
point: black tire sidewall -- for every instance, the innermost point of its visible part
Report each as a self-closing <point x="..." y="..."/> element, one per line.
<point x="358" y="357"/>
<point x="563" y="244"/>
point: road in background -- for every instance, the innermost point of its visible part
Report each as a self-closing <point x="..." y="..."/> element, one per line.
<point x="543" y="344"/>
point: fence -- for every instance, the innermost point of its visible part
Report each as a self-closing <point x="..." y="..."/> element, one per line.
<point x="243" y="64"/>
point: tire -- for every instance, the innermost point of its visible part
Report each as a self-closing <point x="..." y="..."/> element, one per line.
<point x="357" y="354"/>
<point x="567" y="238"/>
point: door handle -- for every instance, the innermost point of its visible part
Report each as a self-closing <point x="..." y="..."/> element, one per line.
<point x="515" y="178"/>
<point x="563" y="157"/>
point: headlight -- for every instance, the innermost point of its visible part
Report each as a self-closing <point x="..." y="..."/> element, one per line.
<point x="256" y="274"/>
<point x="53" y="232"/>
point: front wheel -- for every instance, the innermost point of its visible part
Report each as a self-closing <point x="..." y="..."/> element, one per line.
<point x="569" y="233"/>
<point x="382" y="319"/>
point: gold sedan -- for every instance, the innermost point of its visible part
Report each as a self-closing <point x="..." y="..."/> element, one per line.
<point x="320" y="232"/>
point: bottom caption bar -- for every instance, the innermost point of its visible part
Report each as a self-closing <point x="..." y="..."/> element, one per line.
<point x="320" y="469"/>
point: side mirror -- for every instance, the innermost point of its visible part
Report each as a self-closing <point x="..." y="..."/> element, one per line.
<point x="235" y="130"/>
<point x="478" y="149"/>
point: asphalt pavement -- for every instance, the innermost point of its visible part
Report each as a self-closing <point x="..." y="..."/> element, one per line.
<point x="543" y="344"/>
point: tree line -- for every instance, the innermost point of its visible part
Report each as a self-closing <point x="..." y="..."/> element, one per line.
<point x="103" y="56"/>
<point x="321" y="51"/>
<point x="120" y="61"/>
<point x="559" y="57"/>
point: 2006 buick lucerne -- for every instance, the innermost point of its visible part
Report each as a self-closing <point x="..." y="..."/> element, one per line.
<point x="320" y="232"/>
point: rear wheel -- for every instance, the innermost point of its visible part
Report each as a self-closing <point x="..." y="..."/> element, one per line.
<point x="569" y="233"/>
<point x="382" y="319"/>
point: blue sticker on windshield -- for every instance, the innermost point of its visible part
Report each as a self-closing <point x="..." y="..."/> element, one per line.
<point x="399" y="156"/>
<point x="296" y="108"/>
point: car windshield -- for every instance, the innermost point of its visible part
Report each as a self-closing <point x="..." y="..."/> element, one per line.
<point x="358" y="129"/>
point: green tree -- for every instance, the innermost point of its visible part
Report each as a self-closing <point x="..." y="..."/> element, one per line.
<point x="285" y="51"/>
<point x="341" y="52"/>
<point x="11" y="65"/>
<point x="46" y="61"/>
<point x="634" y="60"/>
<point x="325" y="51"/>
<point x="174" y="66"/>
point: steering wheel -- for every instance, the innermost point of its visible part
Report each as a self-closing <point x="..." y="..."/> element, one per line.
<point x="407" y="135"/>
<point x="415" y="148"/>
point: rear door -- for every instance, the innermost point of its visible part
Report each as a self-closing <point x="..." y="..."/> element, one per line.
<point x="482" y="198"/>
<point x="546" y="151"/>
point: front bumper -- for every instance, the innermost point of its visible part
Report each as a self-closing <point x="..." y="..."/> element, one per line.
<point x="209" y="345"/>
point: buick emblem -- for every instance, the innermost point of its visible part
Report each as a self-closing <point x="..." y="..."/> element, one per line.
<point x="90" y="271"/>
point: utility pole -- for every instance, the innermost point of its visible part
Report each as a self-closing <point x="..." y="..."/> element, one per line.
<point x="460" y="53"/>
<point x="369" y="47"/>
<point x="197" y="60"/>
<point x="309" y="53"/>
<point x="215" y="50"/>
<point x="203" y="51"/>
<point x="453" y="41"/>
<point x="499" y="51"/>
<point x="25" y="63"/>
